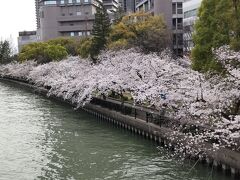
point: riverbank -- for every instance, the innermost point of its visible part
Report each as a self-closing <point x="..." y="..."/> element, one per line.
<point x="201" y="112"/>
<point x="227" y="159"/>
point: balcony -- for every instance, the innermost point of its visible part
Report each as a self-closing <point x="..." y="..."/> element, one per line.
<point x="83" y="27"/>
<point x="75" y="18"/>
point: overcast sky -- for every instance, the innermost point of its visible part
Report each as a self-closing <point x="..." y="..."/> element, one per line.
<point x="15" y="16"/>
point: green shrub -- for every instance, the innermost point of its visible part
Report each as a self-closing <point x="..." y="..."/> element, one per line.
<point x="235" y="44"/>
<point x="70" y="44"/>
<point x="119" y="44"/>
<point x="54" y="53"/>
<point x="84" y="47"/>
<point x="42" y="52"/>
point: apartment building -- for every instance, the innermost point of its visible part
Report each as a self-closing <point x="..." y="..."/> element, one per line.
<point x="129" y="6"/>
<point x="74" y="18"/>
<point x="190" y="9"/>
<point x="26" y="37"/>
<point x="172" y="11"/>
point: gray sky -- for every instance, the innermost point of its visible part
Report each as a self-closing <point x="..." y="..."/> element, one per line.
<point x="15" y="16"/>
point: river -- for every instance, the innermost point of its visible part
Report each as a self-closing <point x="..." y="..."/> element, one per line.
<point x="44" y="139"/>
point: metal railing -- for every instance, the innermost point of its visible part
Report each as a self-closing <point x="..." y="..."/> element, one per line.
<point x="137" y="112"/>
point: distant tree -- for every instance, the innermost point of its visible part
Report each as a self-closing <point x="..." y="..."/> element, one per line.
<point x="84" y="47"/>
<point x="5" y="52"/>
<point x="100" y="32"/>
<point x="120" y="37"/>
<point x="152" y="34"/>
<point x="142" y="30"/>
<point x="42" y="52"/>
<point x="70" y="44"/>
<point x="218" y="25"/>
<point x="121" y="31"/>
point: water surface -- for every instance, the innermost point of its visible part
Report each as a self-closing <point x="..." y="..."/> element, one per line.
<point x="44" y="139"/>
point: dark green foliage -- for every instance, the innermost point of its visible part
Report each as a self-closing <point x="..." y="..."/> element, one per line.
<point x="100" y="32"/>
<point x="5" y="52"/>
<point x="217" y="26"/>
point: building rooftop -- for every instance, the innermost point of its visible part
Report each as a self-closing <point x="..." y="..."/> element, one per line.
<point x="27" y="33"/>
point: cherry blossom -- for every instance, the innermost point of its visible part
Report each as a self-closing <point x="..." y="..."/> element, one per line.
<point x="158" y="81"/>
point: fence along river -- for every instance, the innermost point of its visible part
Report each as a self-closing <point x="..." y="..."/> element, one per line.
<point x="44" y="139"/>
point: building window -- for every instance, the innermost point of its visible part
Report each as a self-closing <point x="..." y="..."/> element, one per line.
<point x="71" y="34"/>
<point x="86" y="1"/>
<point x="146" y="7"/>
<point x="42" y="14"/>
<point x="174" y="24"/>
<point x="62" y="2"/>
<point x="179" y="23"/>
<point x="79" y="13"/>
<point x="50" y="2"/>
<point x="174" y="8"/>
<point x="70" y="1"/>
<point x="25" y="38"/>
<point x="179" y="8"/>
<point x="80" y="33"/>
<point x="78" y="1"/>
<point x="88" y="33"/>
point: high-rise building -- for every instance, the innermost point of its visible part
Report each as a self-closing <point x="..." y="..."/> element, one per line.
<point x="190" y="9"/>
<point x="56" y="18"/>
<point x="172" y="11"/>
<point x="129" y="6"/>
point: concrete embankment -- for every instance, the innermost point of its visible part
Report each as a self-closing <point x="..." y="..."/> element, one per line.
<point x="223" y="158"/>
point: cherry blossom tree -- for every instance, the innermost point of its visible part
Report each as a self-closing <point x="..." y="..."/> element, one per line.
<point x="158" y="81"/>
